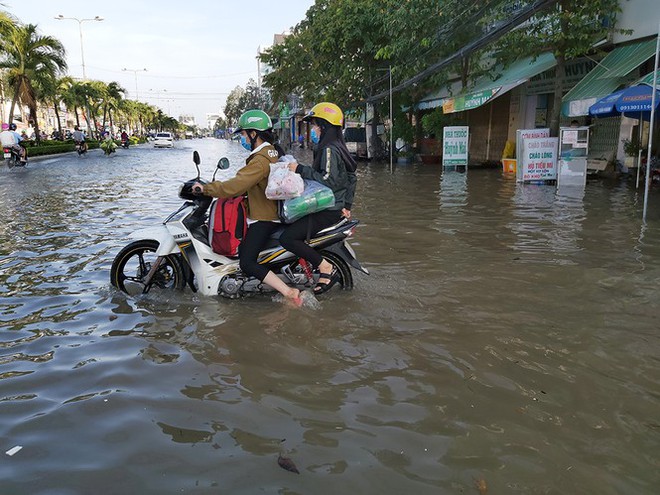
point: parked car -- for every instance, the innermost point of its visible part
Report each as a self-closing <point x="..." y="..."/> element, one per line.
<point x="164" y="140"/>
<point x="356" y="141"/>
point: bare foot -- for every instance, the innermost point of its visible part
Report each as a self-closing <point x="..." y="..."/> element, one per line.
<point x="293" y="298"/>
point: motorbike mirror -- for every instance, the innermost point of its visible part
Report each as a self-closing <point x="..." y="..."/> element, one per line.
<point x="223" y="164"/>
<point x="197" y="161"/>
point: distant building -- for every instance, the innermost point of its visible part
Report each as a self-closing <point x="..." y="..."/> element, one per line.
<point x="187" y="120"/>
<point x="211" y="119"/>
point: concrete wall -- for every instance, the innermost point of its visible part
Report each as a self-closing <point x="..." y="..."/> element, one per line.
<point x="641" y="16"/>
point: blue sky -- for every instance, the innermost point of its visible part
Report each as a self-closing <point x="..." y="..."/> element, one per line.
<point x="195" y="52"/>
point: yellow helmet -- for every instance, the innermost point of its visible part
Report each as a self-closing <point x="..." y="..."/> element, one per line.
<point x="326" y="111"/>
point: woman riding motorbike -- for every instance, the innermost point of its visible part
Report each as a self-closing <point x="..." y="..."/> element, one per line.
<point x="255" y="128"/>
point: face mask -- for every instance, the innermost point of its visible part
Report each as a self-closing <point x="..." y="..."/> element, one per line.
<point x="245" y="143"/>
<point x="314" y="137"/>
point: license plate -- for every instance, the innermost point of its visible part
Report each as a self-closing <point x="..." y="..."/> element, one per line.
<point x="7" y="155"/>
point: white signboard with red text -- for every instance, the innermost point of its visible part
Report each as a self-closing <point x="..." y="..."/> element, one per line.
<point x="539" y="159"/>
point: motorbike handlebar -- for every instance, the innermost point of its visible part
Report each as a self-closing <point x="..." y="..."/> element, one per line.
<point x="189" y="192"/>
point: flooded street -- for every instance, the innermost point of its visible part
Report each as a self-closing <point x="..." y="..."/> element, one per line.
<point x="508" y="336"/>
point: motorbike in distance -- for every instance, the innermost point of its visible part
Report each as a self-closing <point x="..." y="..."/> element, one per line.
<point x="12" y="157"/>
<point x="178" y="253"/>
<point x="81" y="147"/>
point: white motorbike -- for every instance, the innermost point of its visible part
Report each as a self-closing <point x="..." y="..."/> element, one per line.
<point x="178" y="253"/>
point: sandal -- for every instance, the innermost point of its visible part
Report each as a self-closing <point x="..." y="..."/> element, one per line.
<point x="332" y="278"/>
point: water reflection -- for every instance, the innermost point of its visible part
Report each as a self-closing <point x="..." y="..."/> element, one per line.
<point x="547" y="223"/>
<point x="507" y="333"/>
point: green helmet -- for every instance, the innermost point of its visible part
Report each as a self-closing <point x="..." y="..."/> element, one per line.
<point x="257" y="120"/>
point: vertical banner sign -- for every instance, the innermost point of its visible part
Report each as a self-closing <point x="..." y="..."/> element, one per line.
<point x="539" y="159"/>
<point x="455" y="146"/>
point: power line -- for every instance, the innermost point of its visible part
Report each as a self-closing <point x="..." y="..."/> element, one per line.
<point x="493" y="35"/>
<point x="163" y="76"/>
<point x="447" y="30"/>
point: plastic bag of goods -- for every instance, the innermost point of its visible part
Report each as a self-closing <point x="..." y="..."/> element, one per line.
<point x="315" y="197"/>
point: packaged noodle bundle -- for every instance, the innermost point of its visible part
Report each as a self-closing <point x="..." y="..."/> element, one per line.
<point x="315" y="197"/>
<point x="282" y="182"/>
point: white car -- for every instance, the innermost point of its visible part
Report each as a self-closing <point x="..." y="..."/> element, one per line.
<point x="164" y="140"/>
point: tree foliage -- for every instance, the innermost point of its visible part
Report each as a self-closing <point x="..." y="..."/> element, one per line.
<point x="233" y="109"/>
<point x="568" y="30"/>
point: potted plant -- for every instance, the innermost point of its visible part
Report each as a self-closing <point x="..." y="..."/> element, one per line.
<point x="430" y="147"/>
<point x="631" y="149"/>
<point x="404" y="134"/>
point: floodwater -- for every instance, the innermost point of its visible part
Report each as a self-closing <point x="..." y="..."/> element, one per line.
<point x="506" y="342"/>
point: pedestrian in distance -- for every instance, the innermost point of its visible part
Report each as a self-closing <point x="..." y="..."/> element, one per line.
<point x="256" y="130"/>
<point x="334" y="167"/>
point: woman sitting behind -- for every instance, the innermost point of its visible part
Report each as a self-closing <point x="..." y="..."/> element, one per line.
<point x="334" y="167"/>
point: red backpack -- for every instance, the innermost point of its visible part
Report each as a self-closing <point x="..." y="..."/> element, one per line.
<point x="227" y="225"/>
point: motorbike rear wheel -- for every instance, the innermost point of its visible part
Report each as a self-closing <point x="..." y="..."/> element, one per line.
<point x="13" y="161"/>
<point x="344" y="271"/>
<point x="133" y="263"/>
<point x="344" y="282"/>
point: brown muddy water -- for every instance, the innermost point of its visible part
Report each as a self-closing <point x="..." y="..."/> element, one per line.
<point x="507" y="341"/>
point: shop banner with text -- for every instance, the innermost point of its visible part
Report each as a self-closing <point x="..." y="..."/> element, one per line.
<point x="455" y="146"/>
<point x="539" y="159"/>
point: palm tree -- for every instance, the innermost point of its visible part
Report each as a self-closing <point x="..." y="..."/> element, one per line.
<point x="47" y="88"/>
<point x="96" y="93"/>
<point x="115" y="94"/>
<point x="73" y="96"/>
<point x="7" y="25"/>
<point x="28" y="58"/>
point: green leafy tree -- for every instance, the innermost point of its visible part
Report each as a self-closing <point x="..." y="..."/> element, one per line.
<point x="433" y="30"/>
<point x="112" y="96"/>
<point x="568" y="30"/>
<point x="72" y="95"/>
<point x="233" y="109"/>
<point x="343" y="49"/>
<point x="252" y="97"/>
<point x="220" y="123"/>
<point x="331" y="53"/>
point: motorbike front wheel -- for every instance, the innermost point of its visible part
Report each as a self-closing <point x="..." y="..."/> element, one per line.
<point x="132" y="264"/>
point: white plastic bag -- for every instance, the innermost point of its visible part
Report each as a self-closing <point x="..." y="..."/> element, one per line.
<point x="282" y="182"/>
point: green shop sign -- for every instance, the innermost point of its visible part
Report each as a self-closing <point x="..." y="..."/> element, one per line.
<point x="284" y="115"/>
<point x="468" y="101"/>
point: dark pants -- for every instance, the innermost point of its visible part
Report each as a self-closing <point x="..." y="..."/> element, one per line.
<point x="248" y="252"/>
<point x="294" y="236"/>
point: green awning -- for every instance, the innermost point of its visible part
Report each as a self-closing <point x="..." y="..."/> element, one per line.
<point x="648" y="80"/>
<point x="435" y="98"/>
<point x="606" y="77"/>
<point x="487" y="89"/>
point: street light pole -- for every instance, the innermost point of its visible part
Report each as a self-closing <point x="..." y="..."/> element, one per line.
<point x="135" y="71"/>
<point x="389" y="71"/>
<point x="80" y="21"/>
<point x="391" y="122"/>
